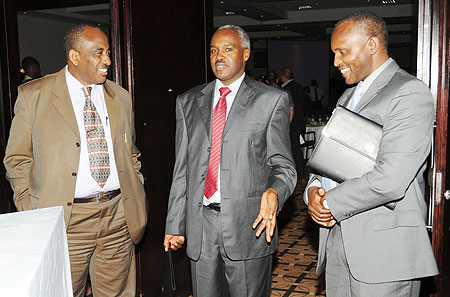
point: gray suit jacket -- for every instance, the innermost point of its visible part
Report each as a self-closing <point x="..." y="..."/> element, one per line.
<point x="255" y="156"/>
<point x="384" y="245"/>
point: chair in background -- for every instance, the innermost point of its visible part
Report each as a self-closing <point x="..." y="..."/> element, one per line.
<point x="308" y="143"/>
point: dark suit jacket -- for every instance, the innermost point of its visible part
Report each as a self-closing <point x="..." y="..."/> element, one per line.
<point x="43" y="149"/>
<point x="255" y="156"/>
<point x="299" y="97"/>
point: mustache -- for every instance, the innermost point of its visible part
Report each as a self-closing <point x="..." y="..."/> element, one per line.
<point x="220" y="62"/>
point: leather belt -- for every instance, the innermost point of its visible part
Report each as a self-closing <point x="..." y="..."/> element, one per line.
<point x="213" y="206"/>
<point x="100" y="197"/>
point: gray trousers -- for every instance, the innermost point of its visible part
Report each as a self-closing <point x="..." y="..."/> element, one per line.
<point x="340" y="282"/>
<point x="216" y="275"/>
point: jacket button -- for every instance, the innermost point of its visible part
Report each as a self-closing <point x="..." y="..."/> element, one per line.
<point x="69" y="203"/>
<point x="74" y="174"/>
<point x="200" y="204"/>
<point x="77" y="144"/>
<point x="209" y="149"/>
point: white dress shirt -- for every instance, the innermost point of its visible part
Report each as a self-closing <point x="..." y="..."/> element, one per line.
<point x="86" y="185"/>
<point x="234" y="87"/>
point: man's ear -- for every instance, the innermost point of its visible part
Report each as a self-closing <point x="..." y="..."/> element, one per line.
<point x="74" y="57"/>
<point x="374" y="45"/>
<point x="246" y="54"/>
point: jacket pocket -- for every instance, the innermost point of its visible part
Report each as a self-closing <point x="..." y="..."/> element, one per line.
<point x="385" y="221"/>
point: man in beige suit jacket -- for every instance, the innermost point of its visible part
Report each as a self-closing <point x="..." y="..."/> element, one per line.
<point x="48" y="165"/>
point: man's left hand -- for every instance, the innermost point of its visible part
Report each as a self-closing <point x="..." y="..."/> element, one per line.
<point x="267" y="214"/>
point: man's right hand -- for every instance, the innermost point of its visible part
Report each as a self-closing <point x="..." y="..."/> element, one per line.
<point x="318" y="212"/>
<point x="173" y="241"/>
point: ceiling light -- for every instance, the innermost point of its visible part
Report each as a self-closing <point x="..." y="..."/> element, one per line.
<point x="245" y="9"/>
<point x="302" y="7"/>
<point x="221" y="2"/>
<point x="229" y="12"/>
<point x="262" y="16"/>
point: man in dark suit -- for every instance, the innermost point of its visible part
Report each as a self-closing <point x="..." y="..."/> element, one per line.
<point x="370" y="249"/>
<point x="64" y="124"/>
<point x="298" y="120"/>
<point x="233" y="172"/>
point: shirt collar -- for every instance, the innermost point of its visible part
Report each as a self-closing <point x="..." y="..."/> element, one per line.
<point x="75" y="83"/>
<point x="234" y="87"/>
<point x="283" y="85"/>
<point x="365" y="84"/>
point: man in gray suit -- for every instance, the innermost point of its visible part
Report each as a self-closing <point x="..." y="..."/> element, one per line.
<point x="233" y="172"/>
<point x="370" y="249"/>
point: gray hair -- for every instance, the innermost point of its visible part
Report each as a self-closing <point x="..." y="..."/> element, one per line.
<point x="243" y="36"/>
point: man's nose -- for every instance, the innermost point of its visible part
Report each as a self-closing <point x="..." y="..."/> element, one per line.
<point x="337" y="61"/>
<point x="106" y="60"/>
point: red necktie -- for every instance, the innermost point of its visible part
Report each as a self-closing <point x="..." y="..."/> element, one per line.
<point x="218" y="123"/>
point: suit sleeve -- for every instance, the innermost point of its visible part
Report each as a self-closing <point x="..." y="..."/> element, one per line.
<point x="175" y="221"/>
<point x="19" y="153"/>
<point x="404" y="147"/>
<point x="283" y="176"/>
<point x="135" y="153"/>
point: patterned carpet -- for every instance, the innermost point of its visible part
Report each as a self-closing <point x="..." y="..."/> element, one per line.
<point x="294" y="264"/>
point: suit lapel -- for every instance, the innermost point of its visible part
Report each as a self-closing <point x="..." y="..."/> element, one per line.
<point x="383" y="78"/>
<point x="63" y="104"/>
<point x="204" y="103"/>
<point x="244" y="95"/>
<point x="113" y="109"/>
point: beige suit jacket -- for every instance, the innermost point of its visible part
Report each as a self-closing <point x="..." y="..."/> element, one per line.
<point x="43" y="149"/>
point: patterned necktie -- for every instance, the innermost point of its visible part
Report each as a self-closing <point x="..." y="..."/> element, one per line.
<point x="96" y="140"/>
<point x="218" y="123"/>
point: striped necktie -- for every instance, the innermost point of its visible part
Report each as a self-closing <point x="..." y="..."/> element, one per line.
<point x="218" y="123"/>
<point x="96" y="140"/>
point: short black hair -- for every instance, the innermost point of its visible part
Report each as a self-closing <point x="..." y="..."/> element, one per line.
<point x="28" y="62"/>
<point x="370" y="22"/>
<point x="74" y="36"/>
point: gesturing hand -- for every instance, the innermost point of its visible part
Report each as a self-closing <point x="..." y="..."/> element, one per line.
<point x="267" y="214"/>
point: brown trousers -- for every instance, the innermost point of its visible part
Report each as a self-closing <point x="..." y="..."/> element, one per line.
<point x="99" y="243"/>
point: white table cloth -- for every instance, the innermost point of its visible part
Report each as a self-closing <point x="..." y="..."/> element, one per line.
<point x="34" y="257"/>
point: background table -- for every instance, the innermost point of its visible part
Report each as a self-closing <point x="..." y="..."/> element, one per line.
<point x="34" y="257"/>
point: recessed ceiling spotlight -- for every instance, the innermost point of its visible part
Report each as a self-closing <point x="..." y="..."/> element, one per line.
<point x="229" y="12"/>
<point x="245" y="9"/>
<point x="261" y="16"/>
<point x="221" y="2"/>
<point x="303" y="7"/>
